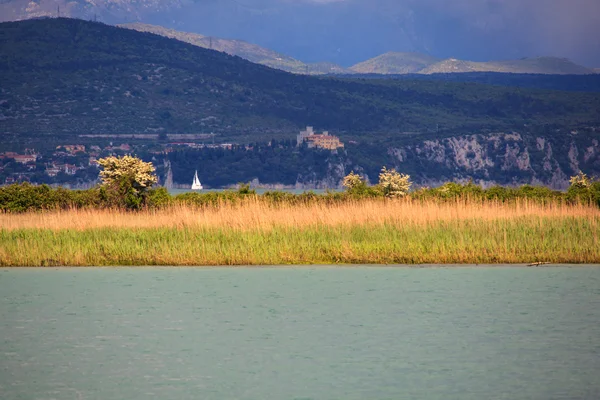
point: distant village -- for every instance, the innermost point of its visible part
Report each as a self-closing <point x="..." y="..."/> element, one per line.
<point x="66" y="163"/>
<point x="69" y="164"/>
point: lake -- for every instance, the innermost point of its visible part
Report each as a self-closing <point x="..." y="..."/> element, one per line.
<point x="300" y="333"/>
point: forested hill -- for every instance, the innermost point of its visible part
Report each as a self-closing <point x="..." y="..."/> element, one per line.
<point x="74" y="76"/>
<point x="571" y="83"/>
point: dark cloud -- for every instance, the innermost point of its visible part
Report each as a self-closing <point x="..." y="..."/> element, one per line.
<point x="348" y="31"/>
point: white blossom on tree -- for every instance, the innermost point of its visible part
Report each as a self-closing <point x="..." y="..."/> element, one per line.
<point x="580" y="180"/>
<point x="127" y="173"/>
<point x="394" y="184"/>
<point x="352" y="181"/>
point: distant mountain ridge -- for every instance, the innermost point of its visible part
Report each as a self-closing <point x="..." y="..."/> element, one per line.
<point x="415" y="63"/>
<point x="391" y="63"/>
<point x="395" y="63"/>
<point x="240" y="48"/>
<point x="347" y="32"/>
<point x="535" y="65"/>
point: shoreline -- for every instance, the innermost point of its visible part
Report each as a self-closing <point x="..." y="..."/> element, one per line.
<point x="310" y="266"/>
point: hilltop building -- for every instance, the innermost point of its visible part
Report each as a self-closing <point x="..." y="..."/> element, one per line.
<point x="323" y="141"/>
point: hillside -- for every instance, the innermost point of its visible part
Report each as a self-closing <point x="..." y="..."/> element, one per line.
<point x="346" y="32"/>
<point x="67" y="76"/>
<point x="248" y="51"/>
<point x="537" y="65"/>
<point x="493" y="158"/>
<point x="322" y="68"/>
<point x="415" y="63"/>
<point x="394" y="63"/>
<point x="570" y="83"/>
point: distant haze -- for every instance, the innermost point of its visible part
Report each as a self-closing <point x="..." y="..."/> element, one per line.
<point x="350" y="31"/>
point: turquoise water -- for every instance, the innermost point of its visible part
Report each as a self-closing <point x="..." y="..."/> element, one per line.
<point x="258" y="191"/>
<point x="300" y="333"/>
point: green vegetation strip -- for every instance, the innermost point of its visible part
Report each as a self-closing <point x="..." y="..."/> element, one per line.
<point x="521" y="240"/>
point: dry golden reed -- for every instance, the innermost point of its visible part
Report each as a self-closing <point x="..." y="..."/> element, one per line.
<point x="256" y="214"/>
<point x="257" y="232"/>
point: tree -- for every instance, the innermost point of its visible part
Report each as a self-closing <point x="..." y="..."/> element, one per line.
<point x="393" y="184"/>
<point x="126" y="180"/>
<point x="584" y="189"/>
<point x="580" y="181"/>
<point x="352" y="181"/>
<point x="357" y="186"/>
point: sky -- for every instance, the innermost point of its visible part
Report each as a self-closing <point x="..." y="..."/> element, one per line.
<point x="349" y="31"/>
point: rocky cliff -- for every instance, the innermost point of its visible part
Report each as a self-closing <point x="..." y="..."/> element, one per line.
<point x="501" y="158"/>
<point x="488" y="159"/>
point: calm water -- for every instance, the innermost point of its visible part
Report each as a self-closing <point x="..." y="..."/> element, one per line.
<point x="258" y="191"/>
<point x="300" y="333"/>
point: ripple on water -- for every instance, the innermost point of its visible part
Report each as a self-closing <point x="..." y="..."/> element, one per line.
<point x="300" y="333"/>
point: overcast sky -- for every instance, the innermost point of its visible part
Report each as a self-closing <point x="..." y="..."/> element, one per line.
<point x="349" y="31"/>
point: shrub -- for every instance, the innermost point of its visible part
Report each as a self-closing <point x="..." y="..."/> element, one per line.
<point x="353" y="181"/>
<point x="393" y="184"/>
<point x="580" y="181"/>
<point x="357" y="187"/>
<point x="278" y="197"/>
<point x="244" y="188"/>
<point x="584" y="189"/>
<point x="22" y="197"/>
<point x="158" y="198"/>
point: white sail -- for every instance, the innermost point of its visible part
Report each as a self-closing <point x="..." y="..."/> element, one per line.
<point x="196" y="185"/>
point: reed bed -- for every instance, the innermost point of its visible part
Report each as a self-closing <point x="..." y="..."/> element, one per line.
<point x="252" y="214"/>
<point x="255" y="232"/>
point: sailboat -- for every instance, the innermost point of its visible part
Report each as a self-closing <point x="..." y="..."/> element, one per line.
<point x="196" y="185"/>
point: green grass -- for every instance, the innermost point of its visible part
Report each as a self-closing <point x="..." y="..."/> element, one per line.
<point x="518" y="240"/>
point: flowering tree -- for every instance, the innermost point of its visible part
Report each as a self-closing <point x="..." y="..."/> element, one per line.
<point x="580" y="181"/>
<point x="352" y="181"/>
<point x="127" y="180"/>
<point x="584" y="189"/>
<point x="357" y="186"/>
<point x="393" y="184"/>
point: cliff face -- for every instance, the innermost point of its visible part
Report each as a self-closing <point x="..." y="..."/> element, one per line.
<point x="488" y="159"/>
<point x="500" y="158"/>
<point x="512" y="159"/>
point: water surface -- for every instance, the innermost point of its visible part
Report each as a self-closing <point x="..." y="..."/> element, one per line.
<point x="300" y="333"/>
<point x="176" y="191"/>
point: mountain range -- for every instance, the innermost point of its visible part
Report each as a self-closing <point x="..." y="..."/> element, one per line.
<point x="395" y="63"/>
<point x="69" y="75"/>
<point x="346" y="32"/>
<point x="240" y="48"/>
<point x="414" y="63"/>
<point x="388" y="63"/>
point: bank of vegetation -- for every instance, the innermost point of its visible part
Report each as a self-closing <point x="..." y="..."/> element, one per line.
<point x="25" y="197"/>
<point x="125" y="221"/>
<point x="254" y="232"/>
